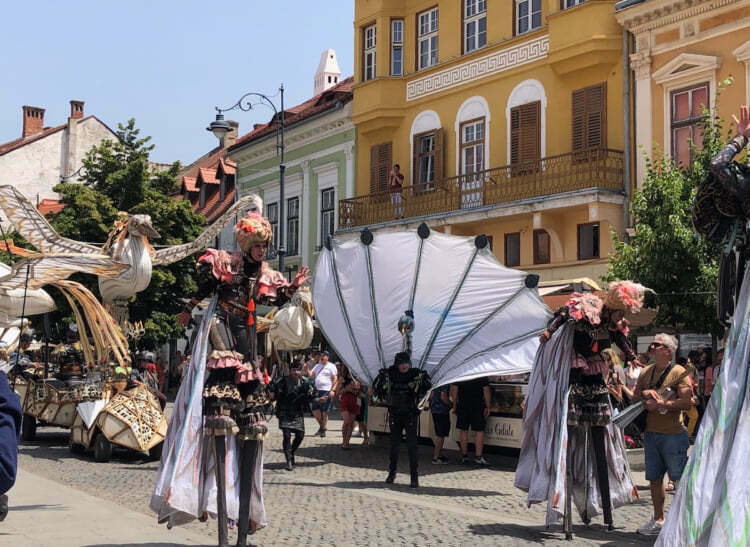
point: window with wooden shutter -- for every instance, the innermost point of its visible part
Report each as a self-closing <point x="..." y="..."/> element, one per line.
<point x="541" y="247"/>
<point x="525" y="137"/>
<point x="380" y="166"/>
<point x="589" y="115"/>
<point x="427" y="164"/>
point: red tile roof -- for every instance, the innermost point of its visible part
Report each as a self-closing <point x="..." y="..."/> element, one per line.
<point x="341" y="92"/>
<point x="188" y="184"/>
<point x="209" y="170"/>
<point x="47" y="206"/>
<point x="207" y="175"/>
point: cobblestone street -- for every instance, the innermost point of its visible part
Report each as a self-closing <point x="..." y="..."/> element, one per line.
<point x="338" y="497"/>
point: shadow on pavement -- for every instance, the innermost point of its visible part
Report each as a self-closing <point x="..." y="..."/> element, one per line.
<point x="404" y="487"/>
<point x="542" y="534"/>
<point x="55" y="507"/>
<point x="138" y="545"/>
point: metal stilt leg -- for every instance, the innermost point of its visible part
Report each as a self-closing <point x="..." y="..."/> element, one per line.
<point x="568" y="516"/>
<point x="248" y="454"/>
<point x="221" y="488"/>
<point x="586" y="517"/>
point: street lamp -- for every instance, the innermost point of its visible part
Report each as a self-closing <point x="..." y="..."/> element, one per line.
<point x="219" y="127"/>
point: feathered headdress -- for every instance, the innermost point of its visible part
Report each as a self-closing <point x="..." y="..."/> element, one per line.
<point x="626" y="296"/>
<point x="251" y="229"/>
<point x="586" y="306"/>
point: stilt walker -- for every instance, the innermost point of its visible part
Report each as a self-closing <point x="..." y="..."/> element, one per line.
<point x="570" y="452"/>
<point x="224" y="429"/>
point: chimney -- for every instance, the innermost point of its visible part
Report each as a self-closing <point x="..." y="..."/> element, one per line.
<point x="230" y="137"/>
<point x="257" y="125"/>
<point x="76" y="109"/>
<point x="33" y="120"/>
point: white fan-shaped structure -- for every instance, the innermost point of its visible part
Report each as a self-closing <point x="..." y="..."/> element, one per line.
<point x="473" y="317"/>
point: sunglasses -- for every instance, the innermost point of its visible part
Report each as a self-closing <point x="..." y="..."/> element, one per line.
<point x="656" y="345"/>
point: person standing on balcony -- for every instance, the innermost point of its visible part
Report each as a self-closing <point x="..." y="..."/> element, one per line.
<point x="395" y="187"/>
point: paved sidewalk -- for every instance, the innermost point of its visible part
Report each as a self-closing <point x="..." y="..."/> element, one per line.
<point x="46" y="513"/>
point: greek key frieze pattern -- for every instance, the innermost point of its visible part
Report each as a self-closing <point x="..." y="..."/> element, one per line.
<point x="476" y="69"/>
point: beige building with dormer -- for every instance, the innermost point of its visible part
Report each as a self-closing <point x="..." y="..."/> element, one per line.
<point x="682" y="50"/>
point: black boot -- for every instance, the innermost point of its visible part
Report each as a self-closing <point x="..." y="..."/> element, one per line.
<point x="221" y="500"/>
<point x="289" y="460"/>
<point x="3" y="507"/>
<point x="391" y="477"/>
<point x="414" y="481"/>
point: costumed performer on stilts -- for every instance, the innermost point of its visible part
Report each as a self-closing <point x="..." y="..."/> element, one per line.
<point x="568" y="411"/>
<point x="712" y="504"/>
<point x="215" y="442"/>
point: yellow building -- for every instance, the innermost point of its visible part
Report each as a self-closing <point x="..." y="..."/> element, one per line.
<point x="682" y="51"/>
<point x="506" y="118"/>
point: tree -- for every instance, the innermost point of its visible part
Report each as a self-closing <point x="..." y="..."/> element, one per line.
<point x="665" y="254"/>
<point x="118" y="177"/>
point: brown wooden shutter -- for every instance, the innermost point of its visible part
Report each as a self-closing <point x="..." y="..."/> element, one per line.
<point x="589" y="115"/>
<point x="380" y="166"/>
<point x="439" y="155"/>
<point x="596" y="116"/>
<point x="415" y="161"/>
<point x="525" y="133"/>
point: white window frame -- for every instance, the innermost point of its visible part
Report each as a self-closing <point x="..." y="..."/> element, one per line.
<point x="292" y="221"/>
<point x="322" y="234"/>
<point x="478" y="144"/>
<point x="529" y="16"/>
<point x="475" y="11"/>
<point x="397" y="45"/>
<point x="369" y="60"/>
<point x="427" y="34"/>
<point x="673" y="76"/>
<point x="572" y="3"/>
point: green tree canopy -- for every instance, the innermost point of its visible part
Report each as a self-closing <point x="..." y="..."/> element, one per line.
<point x="118" y="177"/>
<point x="665" y="254"/>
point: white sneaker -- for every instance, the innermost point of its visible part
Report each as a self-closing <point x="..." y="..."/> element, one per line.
<point x="651" y="528"/>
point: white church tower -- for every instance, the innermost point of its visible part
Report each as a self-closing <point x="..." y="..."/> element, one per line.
<point x="328" y="73"/>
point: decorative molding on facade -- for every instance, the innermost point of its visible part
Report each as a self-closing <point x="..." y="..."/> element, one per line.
<point x="250" y="179"/>
<point x="742" y="54"/>
<point x="641" y="65"/>
<point x="312" y="131"/>
<point x="476" y="69"/>
<point x="660" y="13"/>
<point x="686" y="66"/>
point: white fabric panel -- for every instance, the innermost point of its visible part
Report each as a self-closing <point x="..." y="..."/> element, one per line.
<point x="89" y="410"/>
<point x="330" y="316"/>
<point x="444" y="260"/>
<point x="394" y="259"/>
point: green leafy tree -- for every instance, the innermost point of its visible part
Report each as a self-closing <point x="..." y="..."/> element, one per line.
<point x="118" y="177"/>
<point x="665" y="254"/>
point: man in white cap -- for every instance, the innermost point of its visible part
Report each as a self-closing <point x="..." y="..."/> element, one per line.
<point x="665" y="441"/>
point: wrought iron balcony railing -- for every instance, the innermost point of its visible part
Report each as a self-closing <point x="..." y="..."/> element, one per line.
<point x="597" y="168"/>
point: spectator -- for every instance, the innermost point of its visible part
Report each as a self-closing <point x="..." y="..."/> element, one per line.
<point x="633" y="370"/>
<point x="326" y="378"/>
<point x="471" y="403"/>
<point x="692" y="413"/>
<point x="10" y="425"/>
<point x="616" y="380"/>
<point x="395" y="187"/>
<point x="401" y="387"/>
<point x="440" y="406"/>
<point x="711" y="374"/>
<point x="665" y="442"/>
<point x="292" y="394"/>
<point x="348" y="392"/>
<point x="361" y="418"/>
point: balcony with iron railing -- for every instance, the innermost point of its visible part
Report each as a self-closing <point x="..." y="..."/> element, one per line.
<point x="591" y="169"/>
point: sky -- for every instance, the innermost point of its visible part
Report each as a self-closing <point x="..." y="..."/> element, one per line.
<point x="166" y="63"/>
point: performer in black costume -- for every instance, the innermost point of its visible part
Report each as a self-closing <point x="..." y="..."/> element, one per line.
<point x="401" y="387"/>
<point x="588" y="403"/>
<point x="292" y="394"/>
<point x="235" y="396"/>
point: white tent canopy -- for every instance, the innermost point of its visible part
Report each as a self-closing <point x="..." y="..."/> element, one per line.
<point x="473" y="317"/>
